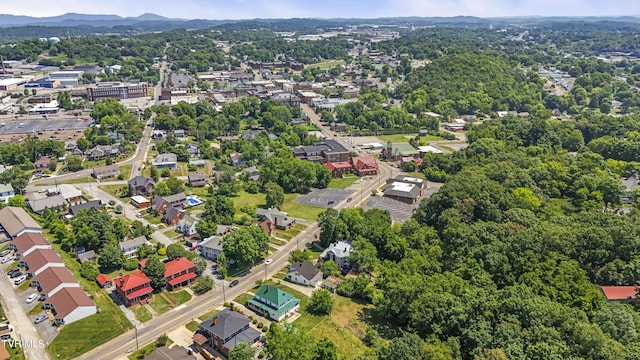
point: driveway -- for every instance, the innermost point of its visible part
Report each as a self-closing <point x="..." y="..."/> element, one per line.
<point x="23" y="325"/>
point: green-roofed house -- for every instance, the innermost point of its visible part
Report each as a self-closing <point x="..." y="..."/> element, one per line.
<point x="397" y="151"/>
<point x="272" y="302"/>
<point x="6" y="192"/>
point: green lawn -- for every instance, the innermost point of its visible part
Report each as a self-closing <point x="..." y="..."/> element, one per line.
<point x="277" y="242"/>
<point x="418" y="174"/>
<point x="160" y="304"/>
<point x="299" y="226"/>
<point x="180" y="297"/>
<point x="326" y="64"/>
<point x="142" y="314"/>
<point x="15" y="353"/>
<point x="396" y="138"/>
<point x="172" y="233"/>
<point x="342" y="183"/>
<point x="37" y="309"/>
<point x="24" y="286"/>
<point x="143" y="352"/>
<point x="117" y="191"/>
<point x="125" y="170"/>
<point x="156" y="220"/>
<point x="204" y="317"/>
<point x="287" y="235"/>
<point x="244" y="199"/>
<point x="300" y="211"/>
<point x="4" y="247"/>
<point x="192" y="325"/>
<point x="81" y="180"/>
<point x="242" y="299"/>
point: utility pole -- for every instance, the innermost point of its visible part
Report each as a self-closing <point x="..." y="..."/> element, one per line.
<point x="265" y="271"/>
<point x="135" y="327"/>
<point x="224" y="296"/>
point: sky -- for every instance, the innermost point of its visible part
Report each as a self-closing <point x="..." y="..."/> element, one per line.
<point x="248" y="9"/>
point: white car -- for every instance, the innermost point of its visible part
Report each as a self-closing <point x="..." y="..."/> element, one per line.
<point x="31" y="298"/>
<point x="268" y="261"/>
<point x="138" y="215"/>
<point x="20" y="280"/>
<point x="7" y="259"/>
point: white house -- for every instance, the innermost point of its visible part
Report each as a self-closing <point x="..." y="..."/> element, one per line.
<point x="129" y="247"/>
<point x="338" y="252"/>
<point x="211" y="247"/>
<point x="6" y="192"/>
<point x="69" y="305"/>
<point x="305" y="274"/>
<point x="187" y="225"/>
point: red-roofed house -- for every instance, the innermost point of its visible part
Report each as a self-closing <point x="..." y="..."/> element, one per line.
<point x="179" y="272"/>
<point x="53" y="280"/>
<point x="133" y="288"/>
<point x="69" y="305"/>
<point x="27" y="243"/>
<point x="42" y="163"/>
<point x="104" y="281"/>
<point x="339" y="168"/>
<point x="39" y="260"/>
<point x="619" y="293"/>
<point x="365" y="165"/>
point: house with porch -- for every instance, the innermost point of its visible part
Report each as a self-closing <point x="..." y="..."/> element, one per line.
<point x="6" y="192"/>
<point x="133" y="288"/>
<point x="179" y="272"/>
<point x="279" y="219"/>
<point x="42" y="163"/>
<point x="273" y="302"/>
<point x="166" y="161"/>
<point x="106" y="172"/>
<point x="141" y="185"/>
<point x="161" y="204"/>
<point x="225" y="330"/>
<point x="172" y="216"/>
<point x="187" y="226"/>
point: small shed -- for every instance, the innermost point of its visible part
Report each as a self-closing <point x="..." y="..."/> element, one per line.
<point x="104" y="281"/>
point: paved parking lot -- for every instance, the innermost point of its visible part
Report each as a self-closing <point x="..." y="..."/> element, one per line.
<point x="327" y="198"/>
<point x="23" y="126"/>
<point x="400" y="211"/>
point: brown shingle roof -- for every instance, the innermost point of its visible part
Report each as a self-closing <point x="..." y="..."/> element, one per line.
<point x="52" y="277"/>
<point x="28" y="240"/>
<point x="67" y="300"/>
<point x="306" y="269"/>
<point x="39" y="258"/>
<point x="14" y="219"/>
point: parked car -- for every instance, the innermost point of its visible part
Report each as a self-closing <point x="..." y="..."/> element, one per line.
<point x="233" y="283"/>
<point x="20" y="280"/>
<point x="31" y="298"/>
<point x="5" y="337"/>
<point x="5" y="253"/>
<point x="7" y="259"/>
<point x="40" y="319"/>
<point x="268" y="261"/>
<point x="138" y="215"/>
<point x="15" y="274"/>
<point x="12" y="271"/>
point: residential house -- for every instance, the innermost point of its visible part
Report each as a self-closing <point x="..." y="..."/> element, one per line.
<point x="365" y="165"/>
<point x="198" y="179"/>
<point x="630" y="184"/>
<point x="273" y="302"/>
<point x="104" y="281"/>
<point x="176" y="352"/>
<point x="339" y="253"/>
<point x="253" y="173"/>
<point x="304" y="273"/>
<point x="91" y="204"/>
<point x="141" y="185"/>
<point x="179" y="272"/>
<point x="140" y="201"/>
<point x="179" y="133"/>
<point x="338" y="169"/>
<point x="623" y="294"/>
<point x="225" y="330"/>
<point x="133" y="288"/>
<point x="166" y="161"/>
<point x="223" y="230"/>
<point x="187" y="225"/>
<point x="211" y="247"/>
<point x="85" y="256"/>
<point x="236" y="159"/>
<point x="52" y="280"/>
<point x="278" y="218"/>
<point x="129" y="247"/>
<point x="15" y="221"/>
<point x="70" y="193"/>
<point x="42" y="163"/>
<point x="193" y="149"/>
<point x="106" y="172"/>
<point x="160" y="204"/>
<point x="38" y="205"/>
<point x="40" y="260"/>
<point x="172" y="216"/>
<point x="197" y="162"/>
<point x="70" y="305"/>
<point x="28" y="242"/>
<point x="396" y="151"/>
<point x="103" y="151"/>
<point x="6" y="192"/>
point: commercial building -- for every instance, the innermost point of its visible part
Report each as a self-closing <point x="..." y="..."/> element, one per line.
<point x="117" y="90"/>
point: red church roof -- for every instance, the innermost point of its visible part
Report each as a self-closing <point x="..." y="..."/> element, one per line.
<point x="131" y="281"/>
<point x="619" y="292"/>
<point x="367" y="162"/>
<point x="177" y="266"/>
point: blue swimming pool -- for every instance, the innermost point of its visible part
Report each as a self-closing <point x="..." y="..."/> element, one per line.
<point x="193" y="201"/>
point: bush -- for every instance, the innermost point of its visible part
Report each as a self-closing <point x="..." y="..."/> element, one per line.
<point x="111" y="202"/>
<point x="165" y="173"/>
<point x="260" y="325"/>
<point x="265" y="329"/>
<point x="253" y="321"/>
<point x="250" y="317"/>
<point x="204" y="284"/>
<point x="130" y="264"/>
<point x="89" y="270"/>
<point x="226" y="304"/>
<point x="162" y="340"/>
<point x="162" y="251"/>
<point x="120" y="176"/>
<point x="192" y="167"/>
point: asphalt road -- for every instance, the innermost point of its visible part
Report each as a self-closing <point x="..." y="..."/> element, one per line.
<point x="154" y="328"/>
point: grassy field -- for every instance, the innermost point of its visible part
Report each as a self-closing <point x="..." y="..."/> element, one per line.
<point x="192" y="325"/>
<point x="143" y="352"/>
<point x="244" y="199"/>
<point x="326" y="64"/>
<point x="418" y="174"/>
<point x="81" y="180"/>
<point x="125" y="170"/>
<point x="277" y="241"/>
<point x="208" y="315"/>
<point x="242" y="299"/>
<point x="398" y="138"/>
<point x="15" y="353"/>
<point x="117" y="191"/>
<point x="160" y="304"/>
<point x="172" y="233"/>
<point x="300" y="211"/>
<point x="180" y="297"/>
<point x="343" y="183"/>
<point x="142" y="314"/>
<point x="287" y="235"/>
